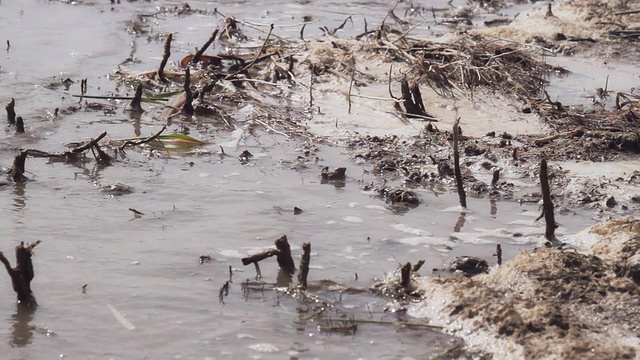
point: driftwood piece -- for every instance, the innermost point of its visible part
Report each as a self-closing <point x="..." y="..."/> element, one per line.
<point x="547" y="204"/>
<point x="304" y="265"/>
<point x="545" y="140"/>
<point x="255" y="258"/>
<point x="11" y="112"/>
<point x="456" y="163"/>
<point x="22" y="274"/>
<point x="165" y="58"/>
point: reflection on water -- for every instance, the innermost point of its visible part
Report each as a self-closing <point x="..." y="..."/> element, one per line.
<point x="19" y="200"/>
<point x="494" y="207"/>
<point x="135" y="116"/>
<point x="462" y="218"/>
<point x="22" y="330"/>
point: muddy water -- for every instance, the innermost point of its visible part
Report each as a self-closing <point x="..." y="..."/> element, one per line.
<point x="146" y="268"/>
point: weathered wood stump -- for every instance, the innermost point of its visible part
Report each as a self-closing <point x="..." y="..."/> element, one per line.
<point x="22" y="274"/>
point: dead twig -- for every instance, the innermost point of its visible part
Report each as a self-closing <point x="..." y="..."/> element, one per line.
<point x="456" y="163"/>
<point x="304" y="265"/>
<point x="22" y="274"/>
<point x="165" y="58"/>
<point x="547" y="204"/>
<point x="143" y="141"/>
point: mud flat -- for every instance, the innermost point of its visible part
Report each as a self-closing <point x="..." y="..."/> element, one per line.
<point x="549" y="303"/>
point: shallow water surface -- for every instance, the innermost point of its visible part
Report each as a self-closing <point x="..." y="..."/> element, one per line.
<point x="145" y="269"/>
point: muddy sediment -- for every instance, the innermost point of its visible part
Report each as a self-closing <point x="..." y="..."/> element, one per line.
<point x="549" y="303"/>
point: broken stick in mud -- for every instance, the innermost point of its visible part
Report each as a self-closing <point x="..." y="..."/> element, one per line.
<point x="165" y="58"/>
<point x="22" y="274"/>
<point x="456" y="163"/>
<point x="547" y="204"/>
<point x="304" y="265"/>
<point x="11" y="112"/>
<point x="196" y="58"/>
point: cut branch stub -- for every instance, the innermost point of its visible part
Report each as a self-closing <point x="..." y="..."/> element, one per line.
<point x="135" y="104"/>
<point x="304" y="265"/>
<point x="285" y="261"/>
<point x="187" y="108"/>
<point x="547" y="204"/>
<point x="17" y="170"/>
<point x="412" y="100"/>
<point x="198" y="55"/>
<point x="19" y="125"/>
<point x="165" y="57"/>
<point x="22" y="274"/>
<point x="456" y="163"/>
<point x="11" y="112"/>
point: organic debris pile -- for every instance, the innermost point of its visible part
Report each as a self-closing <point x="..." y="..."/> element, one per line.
<point x="550" y="302"/>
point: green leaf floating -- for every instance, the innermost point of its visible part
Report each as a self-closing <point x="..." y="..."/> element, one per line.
<point x="181" y="139"/>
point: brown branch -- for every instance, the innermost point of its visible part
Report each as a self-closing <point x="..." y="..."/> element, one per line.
<point x="547" y="204"/>
<point x="353" y="73"/>
<point x="19" y="125"/>
<point x="304" y="265"/>
<point x="198" y="55"/>
<point x="165" y="58"/>
<point x="498" y="254"/>
<point x="187" y="107"/>
<point x="143" y="141"/>
<point x="17" y="170"/>
<point x="135" y="104"/>
<point x="255" y="258"/>
<point x="11" y="113"/>
<point x="548" y="139"/>
<point x="88" y="145"/>
<point x="456" y="164"/>
<point x="405" y="275"/>
<point x="22" y="274"/>
<point x="285" y="261"/>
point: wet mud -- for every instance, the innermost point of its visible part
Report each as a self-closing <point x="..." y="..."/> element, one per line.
<point x="548" y="303"/>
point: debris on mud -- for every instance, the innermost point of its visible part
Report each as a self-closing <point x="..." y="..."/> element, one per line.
<point x="548" y="302"/>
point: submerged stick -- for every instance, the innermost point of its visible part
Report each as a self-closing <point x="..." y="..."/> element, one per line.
<point x="187" y="107"/>
<point x="143" y="141"/>
<point x="456" y="163"/>
<point x="304" y="265"/>
<point x="498" y="254"/>
<point x="311" y="90"/>
<point x="496" y="178"/>
<point x="353" y="73"/>
<point x="255" y="258"/>
<point x="135" y="104"/>
<point x="405" y="275"/>
<point x="165" y="57"/>
<point x="11" y="113"/>
<point x="17" y="170"/>
<point x="198" y="55"/>
<point x="19" y="125"/>
<point x="22" y="274"/>
<point x="547" y="204"/>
